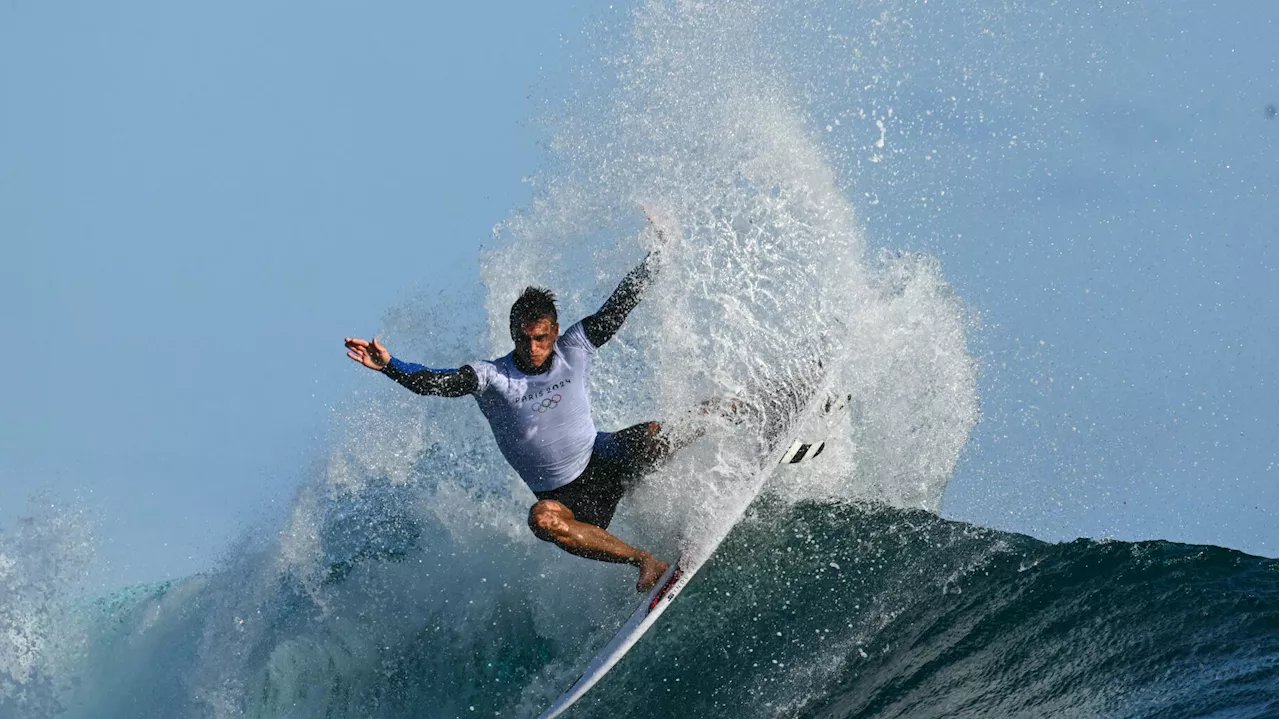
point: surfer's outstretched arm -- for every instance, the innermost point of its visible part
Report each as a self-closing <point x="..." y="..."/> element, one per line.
<point x="440" y="382"/>
<point x="604" y="324"/>
<point x="423" y="380"/>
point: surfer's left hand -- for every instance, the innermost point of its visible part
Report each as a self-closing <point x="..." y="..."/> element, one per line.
<point x="658" y="226"/>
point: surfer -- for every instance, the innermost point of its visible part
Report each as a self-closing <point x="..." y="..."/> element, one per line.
<point x="537" y="403"/>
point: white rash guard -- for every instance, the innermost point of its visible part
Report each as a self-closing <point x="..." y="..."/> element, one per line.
<point x="542" y="422"/>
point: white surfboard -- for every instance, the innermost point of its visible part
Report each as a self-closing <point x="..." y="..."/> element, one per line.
<point x="800" y="451"/>
<point x="781" y="429"/>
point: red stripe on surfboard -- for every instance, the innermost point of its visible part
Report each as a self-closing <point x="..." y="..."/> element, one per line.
<point x="675" y="577"/>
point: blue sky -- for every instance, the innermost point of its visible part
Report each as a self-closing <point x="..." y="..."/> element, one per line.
<point x="199" y="202"/>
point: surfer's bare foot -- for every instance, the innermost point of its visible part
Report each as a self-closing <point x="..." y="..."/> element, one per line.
<point x="651" y="570"/>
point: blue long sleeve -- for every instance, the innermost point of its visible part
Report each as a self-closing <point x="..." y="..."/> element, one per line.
<point x="440" y="382"/>
<point x="605" y="323"/>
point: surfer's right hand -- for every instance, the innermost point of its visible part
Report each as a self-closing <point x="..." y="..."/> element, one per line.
<point x="371" y="354"/>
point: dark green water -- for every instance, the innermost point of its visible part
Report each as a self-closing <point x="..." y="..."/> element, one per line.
<point x="806" y="611"/>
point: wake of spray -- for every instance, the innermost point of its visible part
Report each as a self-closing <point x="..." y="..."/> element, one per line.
<point x="697" y="122"/>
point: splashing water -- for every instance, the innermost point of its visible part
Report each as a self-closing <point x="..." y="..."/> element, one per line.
<point x="403" y="575"/>
<point x="42" y="561"/>
<point x="698" y="123"/>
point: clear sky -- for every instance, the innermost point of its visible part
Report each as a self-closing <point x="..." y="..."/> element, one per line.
<point x="198" y="202"/>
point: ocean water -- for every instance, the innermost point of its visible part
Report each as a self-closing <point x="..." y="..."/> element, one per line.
<point x="401" y="581"/>
<point x="808" y="610"/>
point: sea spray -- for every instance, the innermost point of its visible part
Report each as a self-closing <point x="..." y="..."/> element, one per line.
<point x="694" y="117"/>
<point x="44" y="561"/>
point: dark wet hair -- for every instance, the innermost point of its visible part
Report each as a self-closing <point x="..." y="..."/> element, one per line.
<point x="534" y="304"/>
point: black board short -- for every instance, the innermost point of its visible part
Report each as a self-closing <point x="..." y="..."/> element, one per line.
<point x="617" y="460"/>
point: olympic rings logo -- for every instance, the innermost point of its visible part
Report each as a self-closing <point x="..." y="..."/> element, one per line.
<point x="547" y="404"/>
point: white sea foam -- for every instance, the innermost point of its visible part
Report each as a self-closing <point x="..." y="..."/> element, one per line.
<point x="698" y="121"/>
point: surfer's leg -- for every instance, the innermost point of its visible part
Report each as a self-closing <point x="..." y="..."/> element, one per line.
<point x="733" y="409"/>
<point x="648" y="443"/>
<point x="553" y="522"/>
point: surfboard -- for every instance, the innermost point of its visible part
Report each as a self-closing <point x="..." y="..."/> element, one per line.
<point x="782" y="421"/>
<point x="800" y="451"/>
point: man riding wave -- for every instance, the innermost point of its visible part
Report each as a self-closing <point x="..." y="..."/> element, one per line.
<point x="537" y="402"/>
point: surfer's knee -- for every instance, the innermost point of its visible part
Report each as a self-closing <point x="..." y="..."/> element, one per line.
<point x="548" y="520"/>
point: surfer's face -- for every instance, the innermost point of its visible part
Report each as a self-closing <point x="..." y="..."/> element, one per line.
<point x="535" y="341"/>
